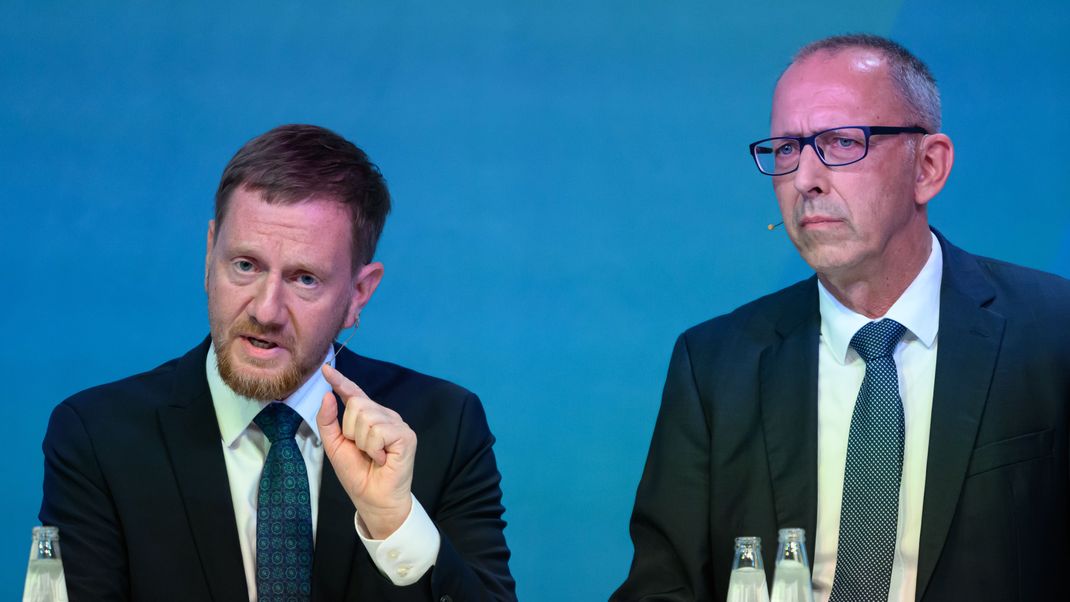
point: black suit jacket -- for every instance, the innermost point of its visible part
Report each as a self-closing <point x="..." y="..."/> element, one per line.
<point x="734" y="450"/>
<point x="136" y="482"/>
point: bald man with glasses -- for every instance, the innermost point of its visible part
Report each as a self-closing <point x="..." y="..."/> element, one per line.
<point x="907" y="406"/>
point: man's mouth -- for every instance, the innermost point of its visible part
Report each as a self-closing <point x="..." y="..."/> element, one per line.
<point x="260" y="343"/>
<point x="818" y="219"/>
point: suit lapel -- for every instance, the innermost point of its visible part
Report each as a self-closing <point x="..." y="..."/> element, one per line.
<point x="191" y="434"/>
<point x="969" y="341"/>
<point x="788" y="398"/>
<point x="336" y="537"/>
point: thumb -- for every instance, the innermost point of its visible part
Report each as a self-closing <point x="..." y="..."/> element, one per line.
<point x="327" y="419"/>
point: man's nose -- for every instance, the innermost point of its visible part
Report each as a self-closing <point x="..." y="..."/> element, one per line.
<point x="811" y="178"/>
<point x="268" y="307"/>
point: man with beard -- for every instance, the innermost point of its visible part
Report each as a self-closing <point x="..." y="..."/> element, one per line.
<point x="907" y="406"/>
<point x="205" y="479"/>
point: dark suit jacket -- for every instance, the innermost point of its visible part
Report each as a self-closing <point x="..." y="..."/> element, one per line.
<point x="734" y="450"/>
<point x="136" y="482"/>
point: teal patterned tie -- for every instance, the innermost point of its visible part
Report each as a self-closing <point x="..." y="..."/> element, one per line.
<point x="874" y="468"/>
<point x="284" y="513"/>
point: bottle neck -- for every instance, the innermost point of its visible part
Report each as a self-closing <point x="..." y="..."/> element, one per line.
<point x="45" y="543"/>
<point x="792" y="550"/>
<point x="45" y="549"/>
<point x="748" y="553"/>
<point x="792" y="546"/>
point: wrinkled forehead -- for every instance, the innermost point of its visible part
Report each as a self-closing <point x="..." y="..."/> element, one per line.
<point x="829" y="89"/>
<point x="319" y="227"/>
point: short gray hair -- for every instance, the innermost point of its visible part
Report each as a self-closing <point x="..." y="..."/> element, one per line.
<point x="911" y="77"/>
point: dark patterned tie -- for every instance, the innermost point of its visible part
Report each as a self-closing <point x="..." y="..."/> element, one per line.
<point x="872" y="474"/>
<point x="284" y="514"/>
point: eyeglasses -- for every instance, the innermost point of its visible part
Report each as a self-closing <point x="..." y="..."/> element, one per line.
<point x="836" y="147"/>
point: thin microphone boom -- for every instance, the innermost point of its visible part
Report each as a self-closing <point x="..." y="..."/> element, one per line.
<point x="345" y="342"/>
<point x="775" y="226"/>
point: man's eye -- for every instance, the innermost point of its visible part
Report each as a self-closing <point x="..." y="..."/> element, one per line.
<point x="307" y="280"/>
<point x="243" y="265"/>
<point x="844" y="142"/>
<point x="785" y="149"/>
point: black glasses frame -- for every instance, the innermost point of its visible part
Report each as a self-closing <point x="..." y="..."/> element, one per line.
<point x="811" y="141"/>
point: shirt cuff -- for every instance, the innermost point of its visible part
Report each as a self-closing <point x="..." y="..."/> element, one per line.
<point x="407" y="553"/>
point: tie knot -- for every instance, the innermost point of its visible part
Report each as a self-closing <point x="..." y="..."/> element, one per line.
<point x="877" y="339"/>
<point x="278" y="421"/>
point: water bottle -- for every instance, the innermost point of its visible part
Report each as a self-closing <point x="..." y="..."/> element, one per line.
<point x="747" y="583"/>
<point x="791" y="582"/>
<point x="44" y="576"/>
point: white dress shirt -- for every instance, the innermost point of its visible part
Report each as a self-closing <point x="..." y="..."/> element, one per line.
<point x="403" y="557"/>
<point x="840" y="373"/>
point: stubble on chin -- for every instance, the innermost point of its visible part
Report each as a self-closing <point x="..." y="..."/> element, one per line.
<point x="279" y="386"/>
<point x="264" y="388"/>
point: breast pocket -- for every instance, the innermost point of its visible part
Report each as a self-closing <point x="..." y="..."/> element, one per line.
<point x="1011" y="451"/>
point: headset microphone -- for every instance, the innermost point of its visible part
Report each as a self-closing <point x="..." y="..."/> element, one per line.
<point x="356" y="325"/>
<point x="775" y="226"/>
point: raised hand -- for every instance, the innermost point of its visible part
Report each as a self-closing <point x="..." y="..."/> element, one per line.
<point x="372" y="453"/>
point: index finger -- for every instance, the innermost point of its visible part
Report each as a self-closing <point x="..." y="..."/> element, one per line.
<point x="342" y="385"/>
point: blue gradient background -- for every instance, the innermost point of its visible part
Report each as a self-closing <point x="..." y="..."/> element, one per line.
<point x="572" y="190"/>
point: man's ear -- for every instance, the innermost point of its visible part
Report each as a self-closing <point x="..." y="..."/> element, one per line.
<point x="932" y="166"/>
<point x="364" y="286"/>
<point x="208" y="251"/>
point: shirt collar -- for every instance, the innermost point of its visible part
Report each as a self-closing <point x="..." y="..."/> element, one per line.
<point x="918" y="309"/>
<point x="235" y="412"/>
